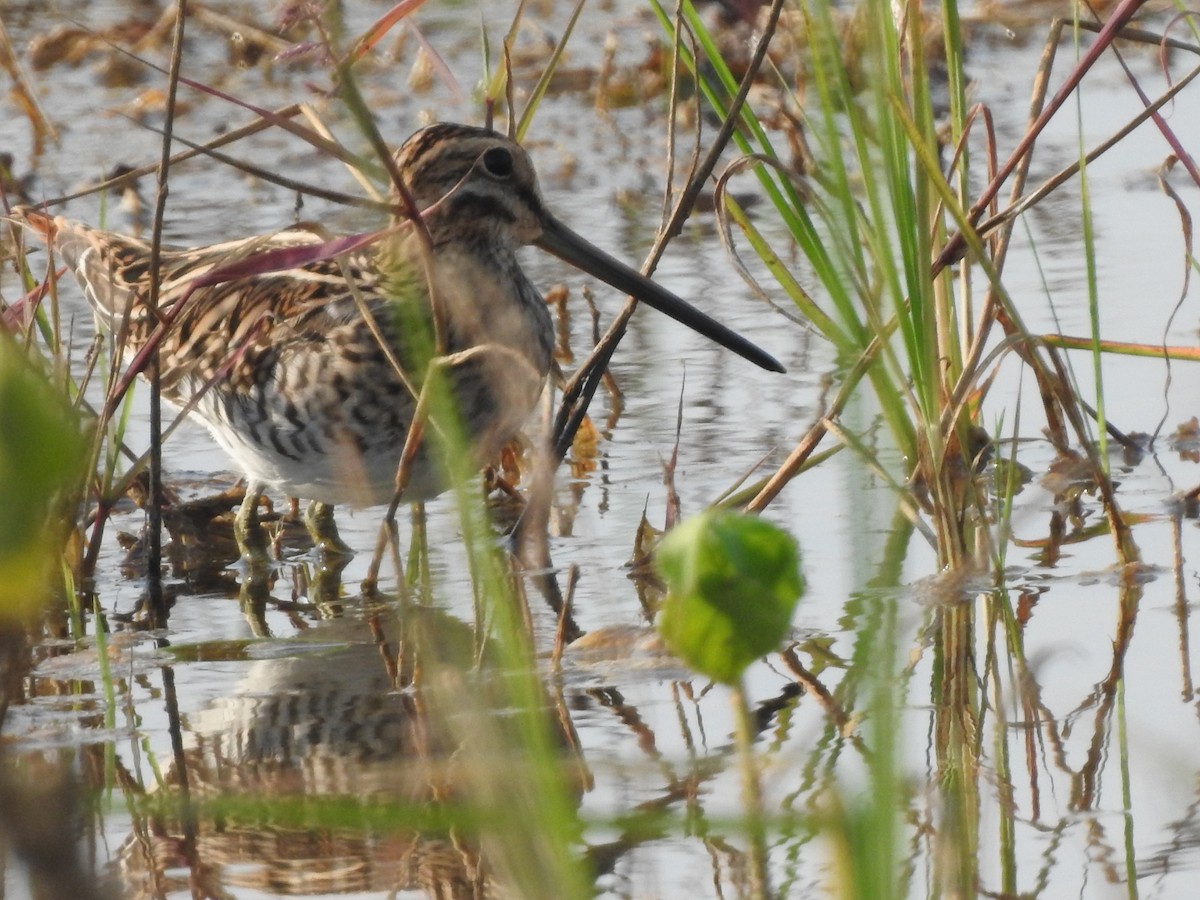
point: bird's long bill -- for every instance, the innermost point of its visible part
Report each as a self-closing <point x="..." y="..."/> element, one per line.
<point x="560" y="240"/>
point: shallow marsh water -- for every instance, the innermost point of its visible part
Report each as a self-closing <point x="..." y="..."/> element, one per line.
<point x="1104" y="772"/>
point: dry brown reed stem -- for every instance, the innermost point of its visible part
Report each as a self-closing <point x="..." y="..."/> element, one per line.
<point x="311" y="137"/>
<point x="1186" y="224"/>
<point x="236" y="28"/>
<point x="1182" y="607"/>
<point x="817" y="431"/>
<point x="519" y="596"/>
<point x="564" y="617"/>
<point x="388" y="534"/>
<point x="272" y="177"/>
<point x="846" y="725"/>
<point x="575" y="758"/>
<point x="616" y="397"/>
<point x="25" y="97"/>
<point x="206" y="149"/>
<point x="978" y="345"/>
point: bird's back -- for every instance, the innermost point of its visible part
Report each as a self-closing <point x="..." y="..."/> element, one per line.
<point x="305" y="373"/>
<point x="219" y="330"/>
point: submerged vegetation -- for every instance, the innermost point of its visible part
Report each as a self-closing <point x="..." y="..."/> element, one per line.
<point x="431" y="730"/>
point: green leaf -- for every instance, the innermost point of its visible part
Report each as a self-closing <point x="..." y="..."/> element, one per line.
<point x="734" y="582"/>
<point x="41" y="453"/>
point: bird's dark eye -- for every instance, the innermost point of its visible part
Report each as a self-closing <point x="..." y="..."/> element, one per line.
<point x="498" y="162"/>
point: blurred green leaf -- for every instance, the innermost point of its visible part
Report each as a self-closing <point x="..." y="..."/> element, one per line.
<point x="41" y="450"/>
<point x="734" y="582"/>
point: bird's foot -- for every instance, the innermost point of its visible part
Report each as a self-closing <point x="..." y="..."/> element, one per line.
<point x="252" y="540"/>
<point x="318" y="519"/>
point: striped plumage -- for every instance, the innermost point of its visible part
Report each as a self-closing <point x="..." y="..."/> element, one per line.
<point x="303" y="396"/>
<point x="290" y="376"/>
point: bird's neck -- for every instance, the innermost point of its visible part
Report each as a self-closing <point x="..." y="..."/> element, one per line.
<point x="476" y="287"/>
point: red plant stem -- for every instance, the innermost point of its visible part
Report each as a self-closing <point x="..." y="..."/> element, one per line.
<point x="956" y="246"/>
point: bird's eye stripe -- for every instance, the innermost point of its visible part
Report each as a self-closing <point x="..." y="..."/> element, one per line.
<point x="482" y="207"/>
<point x="440" y="166"/>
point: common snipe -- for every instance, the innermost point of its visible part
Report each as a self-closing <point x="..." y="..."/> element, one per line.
<point x="296" y="372"/>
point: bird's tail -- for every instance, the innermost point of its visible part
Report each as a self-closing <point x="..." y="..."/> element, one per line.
<point x="85" y="251"/>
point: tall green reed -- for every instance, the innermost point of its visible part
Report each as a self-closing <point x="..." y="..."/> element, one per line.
<point x="885" y="190"/>
<point x="888" y="202"/>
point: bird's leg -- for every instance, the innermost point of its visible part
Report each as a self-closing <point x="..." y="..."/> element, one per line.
<point x="251" y="538"/>
<point x="318" y="519"/>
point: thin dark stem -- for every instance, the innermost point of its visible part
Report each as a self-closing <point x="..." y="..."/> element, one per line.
<point x="124" y="180"/>
<point x="579" y="391"/>
<point x="157" y="602"/>
<point x="175" y="729"/>
<point x="273" y="177"/>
